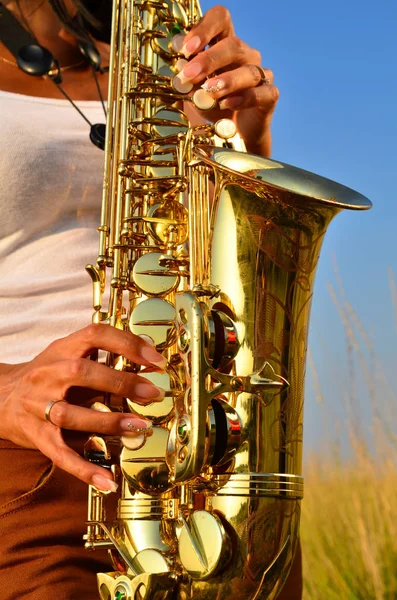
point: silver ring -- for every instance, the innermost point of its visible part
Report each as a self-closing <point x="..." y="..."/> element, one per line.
<point x="48" y="410"/>
<point x="264" y="78"/>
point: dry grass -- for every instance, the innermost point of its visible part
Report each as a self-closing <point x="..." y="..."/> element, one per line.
<point x="349" y="531"/>
<point x="349" y="520"/>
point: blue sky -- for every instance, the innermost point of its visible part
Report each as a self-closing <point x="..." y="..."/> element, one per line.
<point x="335" y="64"/>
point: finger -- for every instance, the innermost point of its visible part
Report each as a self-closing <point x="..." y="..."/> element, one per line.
<point x="98" y="336"/>
<point x="56" y="380"/>
<point x="77" y="418"/>
<point x="215" y="24"/>
<point x="51" y="443"/>
<point x="228" y="52"/>
<point x="264" y="97"/>
<point x="233" y="81"/>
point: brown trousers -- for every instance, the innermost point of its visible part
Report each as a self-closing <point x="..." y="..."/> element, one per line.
<point x="42" y="521"/>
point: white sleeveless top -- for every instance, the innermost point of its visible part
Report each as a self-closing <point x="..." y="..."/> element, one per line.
<point x="50" y="196"/>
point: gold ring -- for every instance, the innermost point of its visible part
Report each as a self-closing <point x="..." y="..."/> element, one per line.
<point x="264" y="78"/>
<point x="48" y="410"/>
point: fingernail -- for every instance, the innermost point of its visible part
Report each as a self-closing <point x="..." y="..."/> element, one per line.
<point x="136" y="426"/>
<point x="191" y="46"/>
<point x="214" y="85"/>
<point x="230" y="103"/>
<point x="180" y="64"/>
<point x="155" y="358"/>
<point x="177" y="42"/>
<point x="190" y="72"/>
<point x="103" y="483"/>
<point x="147" y="390"/>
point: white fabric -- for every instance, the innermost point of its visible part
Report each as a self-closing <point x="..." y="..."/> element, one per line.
<point x="50" y="196"/>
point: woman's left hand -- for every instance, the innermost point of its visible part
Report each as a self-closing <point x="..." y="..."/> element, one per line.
<point x="232" y="73"/>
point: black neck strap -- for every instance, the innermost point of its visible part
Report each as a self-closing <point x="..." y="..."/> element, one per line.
<point x="12" y="34"/>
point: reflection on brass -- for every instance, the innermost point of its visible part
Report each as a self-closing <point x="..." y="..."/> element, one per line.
<point x="151" y="278"/>
<point x="209" y="504"/>
<point x="165" y="71"/>
<point x="168" y="122"/>
<point x="155" y="318"/>
<point x="145" y="469"/>
<point x="169" y="219"/>
<point x="161" y="42"/>
<point x="179" y="14"/>
<point x="204" y="546"/>
<point x="163" y="163"/>
<point x="150" y="561"/>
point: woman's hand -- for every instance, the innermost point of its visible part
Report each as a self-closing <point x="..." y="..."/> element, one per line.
<point x="229" y="70"/>
<point x="26" y="391"/>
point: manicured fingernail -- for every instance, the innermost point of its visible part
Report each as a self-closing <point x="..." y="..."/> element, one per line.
<point x="136" y="426"/>
<point x="104" y="484"/>
<point x="150" y="354"/>
<point x="177" y="42"/>
<point x="154" y="357"/>
<point x="147" y="390"/>
<point x="191" y="46"/>
<point x="190" y="72"/>
<point x="180" y="64"/>
<point x="231" y="103"/>
<point x="214" y="85"/>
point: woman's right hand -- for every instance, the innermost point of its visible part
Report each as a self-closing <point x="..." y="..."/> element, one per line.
<point x="27" y="389"/>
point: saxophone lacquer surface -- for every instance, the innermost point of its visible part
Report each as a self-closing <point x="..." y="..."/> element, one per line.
<point x="211" y="252"/>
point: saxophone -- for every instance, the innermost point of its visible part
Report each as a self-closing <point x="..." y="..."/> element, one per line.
<point x="211" y="252"/>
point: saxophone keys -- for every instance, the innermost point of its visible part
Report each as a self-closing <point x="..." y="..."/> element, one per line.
<point x="133" y="443"/>
<point x="225" y="129"/>
<point x="151" y="277"/>
<point x="158" y="412"/>
<point x="204" y="546"/>
<point x="113" y="586"/>
<point x="180" y="85"/>
<point x="169" y="122"/>
<point x="164" y="216"/>
<point x="203" y="100"/>
<point x="155" y="317"/>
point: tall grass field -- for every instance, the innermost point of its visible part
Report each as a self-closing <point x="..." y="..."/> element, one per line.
<point x="349" y="512"/>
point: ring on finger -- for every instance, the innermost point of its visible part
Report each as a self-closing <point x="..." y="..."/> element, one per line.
<point x="47" y="413"/>
<point x="264" y="80"/>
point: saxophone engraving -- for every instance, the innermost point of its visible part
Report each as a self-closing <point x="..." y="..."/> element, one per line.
<point x="211" y="252"/>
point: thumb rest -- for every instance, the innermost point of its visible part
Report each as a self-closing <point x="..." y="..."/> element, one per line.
<point x="211" y="252"/>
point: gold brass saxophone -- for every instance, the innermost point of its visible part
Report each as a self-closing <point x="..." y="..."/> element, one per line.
<point x="211" y="252"/>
